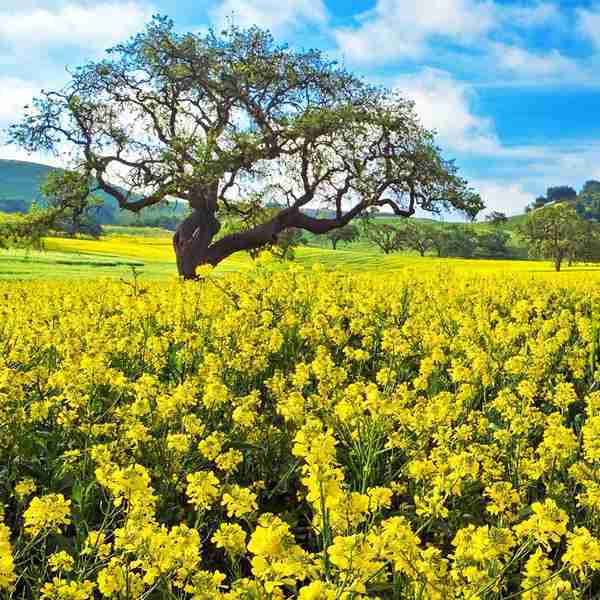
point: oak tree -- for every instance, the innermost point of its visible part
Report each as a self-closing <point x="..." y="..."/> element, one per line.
<point x="213" y="118"/>
<point x="348" y="234"/>
<point x="553" y="232"/>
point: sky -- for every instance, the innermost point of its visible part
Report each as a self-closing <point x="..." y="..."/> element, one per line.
<point x="511" y="87"/>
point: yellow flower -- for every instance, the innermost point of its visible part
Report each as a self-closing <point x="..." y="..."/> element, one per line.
<point x="318" y="590"/>
<point x="47" y="514"/>
<point x="61" y="561"/>
<point x="202" y="489"/>
<point x="228" y="461"/>
<point x="240" y="501"/>
<point x="548" y="523"/>
<point x="583" y="552"/>
<point x="7" y="563"/>
<point x="59" y="589"/>
<point x="25" y="487"/>
<point x="230" y="537"/>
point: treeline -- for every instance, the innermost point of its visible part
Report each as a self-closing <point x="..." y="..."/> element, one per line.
<point x="586" y="203"/>
<point x="448" y="240"/>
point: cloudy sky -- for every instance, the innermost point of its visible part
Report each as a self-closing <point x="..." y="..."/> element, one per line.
<point x="511" y="87"/>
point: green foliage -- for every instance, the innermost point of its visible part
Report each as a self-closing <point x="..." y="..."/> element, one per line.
<point x="493" y="244"/>
<point x="419" y="237"/>
<point x="70" y="194"/>
<point x="287" y="240"/>
<point x="556" y="232"/>
<point x="383" y="235"/>
<point x="497" y="218"/>
<point x="28" y="230"/>
<point x="348" y="234"/>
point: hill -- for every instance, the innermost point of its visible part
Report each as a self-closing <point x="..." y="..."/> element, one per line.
<point x="20" y="185"/>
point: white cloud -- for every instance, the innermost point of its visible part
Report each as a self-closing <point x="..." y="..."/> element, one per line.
<point x="522" y="62"/>
<point x="588" y="23"/>
<point x="539" y="14"/>
<point x="277" y="15"/>
<point x="400" y="28"/>
<point x="13" y="153"/>
<point x="73" y="25"/>
<point x="509" y="198"/>
<point x="16" y="93"/>
<point x="406" y="29"/>
<point x="444" y="104"/>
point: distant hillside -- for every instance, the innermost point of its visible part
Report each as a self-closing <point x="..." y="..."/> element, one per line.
<point x="20" y="183"/>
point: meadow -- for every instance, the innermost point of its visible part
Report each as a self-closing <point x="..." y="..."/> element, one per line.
<point x="427" y="431"/>
<point x="149" y="251"/>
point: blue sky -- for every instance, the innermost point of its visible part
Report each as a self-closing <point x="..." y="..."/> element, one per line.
<point x="511" y="87"/>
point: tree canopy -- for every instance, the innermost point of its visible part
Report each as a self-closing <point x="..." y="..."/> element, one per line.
<point x="215" y="118"/>
<point x="558" y="233"/>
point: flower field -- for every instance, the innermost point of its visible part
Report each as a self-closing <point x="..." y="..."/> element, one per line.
<point x="301" y="433"/>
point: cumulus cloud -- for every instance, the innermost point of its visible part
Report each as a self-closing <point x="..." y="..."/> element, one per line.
<point x="16" y="93"/>
<point x="535" y="15"/>
<point x="522" y="62"/>
<point x="72" y="24"/>
<point x="588" y="23"/>
<point x="401" y="28"/>
<point x="444" y="104"/>
<point x="279" y="16"/>
<point x="509" y="198"/>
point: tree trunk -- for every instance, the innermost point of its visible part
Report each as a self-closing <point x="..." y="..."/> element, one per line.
<point x="557" y="263"/>
<point x="192" y="240"/>
<point x="193" y="244"/>
<point x="334" y="243"/>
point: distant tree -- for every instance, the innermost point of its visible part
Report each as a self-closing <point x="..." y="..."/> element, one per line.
<point x="349" y="233"/>
<point x="163" y="221"/>
<point x="209" y="117"/>
<point x="586" y="247"/>
<point x="590" y="187"/>
<point x="440" y="240"/>
<point x="493" y="243"/>
<point x="417" y="236"/>
<point x="287" y="241"/>
<point x="28" y="230"/>
<point x="540" y="201"/>
<point x="461" y="241"/>
<point x="496" y="218"/>
<point x="553" y="232"/>
<point x="588" y="205"/>
<point x="70" y="194"/>
<point x="385" y="236"/>
<point x="560" y="193"/>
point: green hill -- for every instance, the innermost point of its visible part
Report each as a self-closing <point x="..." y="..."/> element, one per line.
<point x="20" y="183"/>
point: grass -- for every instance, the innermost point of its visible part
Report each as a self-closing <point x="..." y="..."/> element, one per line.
<point x="150" y="253"/>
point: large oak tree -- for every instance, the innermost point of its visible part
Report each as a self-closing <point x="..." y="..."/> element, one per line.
<point x="214" y="119"/>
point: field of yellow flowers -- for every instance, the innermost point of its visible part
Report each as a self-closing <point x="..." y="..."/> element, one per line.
<point x="301" y="434"/>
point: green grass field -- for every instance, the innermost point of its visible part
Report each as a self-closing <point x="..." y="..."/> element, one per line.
<point x="149" y="253"/>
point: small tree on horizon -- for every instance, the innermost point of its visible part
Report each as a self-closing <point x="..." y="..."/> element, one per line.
<point x="383" y="235"/>
<point x="553" y="232"/>
<point x="496" y="218"/>
<point x="348" y="234"/>
<point x="417" y="236"/>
